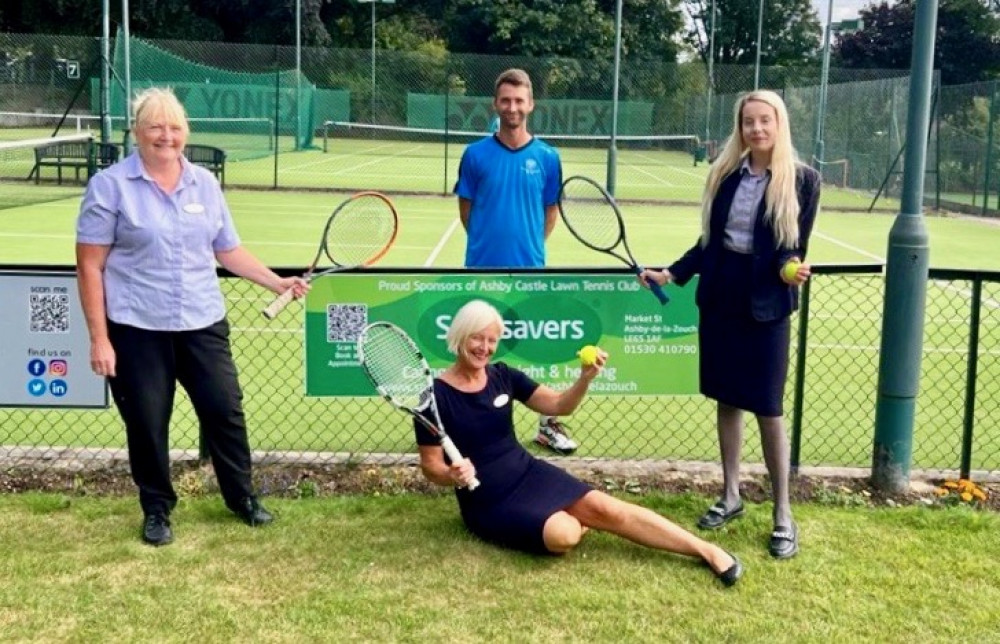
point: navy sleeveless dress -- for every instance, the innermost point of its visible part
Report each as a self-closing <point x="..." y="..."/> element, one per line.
<point x="517" y="491"/>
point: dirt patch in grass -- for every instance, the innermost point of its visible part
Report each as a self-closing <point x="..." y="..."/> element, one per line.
<point x="192" y="479"/>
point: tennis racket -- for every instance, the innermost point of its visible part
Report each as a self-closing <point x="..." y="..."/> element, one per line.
<point x="400" y="373"/>
<point x="359" y="232"/>
<point x="592" y="215"/>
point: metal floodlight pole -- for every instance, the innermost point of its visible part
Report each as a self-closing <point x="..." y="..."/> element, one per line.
<point x="824" y="80"/>
<point x="760" y="34"/>
<point x="711" y="76"/>
<point x="373" y="50"/>
<point x="128" y="76"/>
<point x="105" y="72"/>
<point x="906" y="278"/>
<point x="298" y="71"/>
<point x="373" y="62"/>
<point x="612" y="149"/>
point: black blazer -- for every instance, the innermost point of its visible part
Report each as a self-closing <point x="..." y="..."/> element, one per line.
<point x="770" y="297"/>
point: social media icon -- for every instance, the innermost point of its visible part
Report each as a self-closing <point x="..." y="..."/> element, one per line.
<point x="36" y="387"/>
<point x="58" y="367"/>
<point x="58" y="388"/>
<point x="36" y="367"/>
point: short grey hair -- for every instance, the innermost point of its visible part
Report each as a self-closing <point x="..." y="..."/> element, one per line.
<point x="156" y="102"/>
<point x="472" y="318"/>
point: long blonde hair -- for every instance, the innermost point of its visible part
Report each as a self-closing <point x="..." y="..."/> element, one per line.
<point x="782" y="204"/>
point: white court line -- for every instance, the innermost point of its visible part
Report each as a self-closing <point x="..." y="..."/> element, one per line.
<point x="671" y="167"/>
<point x="658" y="179"/>
<point x="946" y="286"/>
<point x="337" y="156"/>
<point x="379" y="160"/>
<point x="440" y="245"/>
<point x="857" y="250"/>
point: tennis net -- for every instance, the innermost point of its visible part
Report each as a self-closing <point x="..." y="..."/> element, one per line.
<point x="573" y="144"/>
<point x="241" y="138"/>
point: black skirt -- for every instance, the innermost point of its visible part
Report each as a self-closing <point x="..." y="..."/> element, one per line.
<point x="743" y="362"/>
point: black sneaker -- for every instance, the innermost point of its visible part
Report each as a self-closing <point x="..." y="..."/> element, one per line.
<point x="252" y="513"/>
<point x="156" y="529"/>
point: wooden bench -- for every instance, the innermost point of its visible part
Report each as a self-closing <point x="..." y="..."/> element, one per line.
<point x="209" y="157"/>
<point x="78" y="155"/>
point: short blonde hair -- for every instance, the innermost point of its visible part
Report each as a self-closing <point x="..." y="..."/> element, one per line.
<point x="158" y="103"/>
<point x="516" y="77"/>
<point x="472" y="318"/>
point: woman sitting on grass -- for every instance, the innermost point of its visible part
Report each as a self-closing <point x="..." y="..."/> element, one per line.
<point x="523" y="502"/>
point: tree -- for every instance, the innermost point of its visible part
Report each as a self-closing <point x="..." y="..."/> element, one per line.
<point x="791" y="31"/>
<point x="967" y="43"/>
<point x="538" y="28"/>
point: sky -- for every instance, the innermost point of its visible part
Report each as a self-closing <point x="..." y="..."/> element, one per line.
<point x="842" y="9"/>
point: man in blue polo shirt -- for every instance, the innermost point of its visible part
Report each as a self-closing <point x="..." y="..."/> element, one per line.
<point x="508" y="194"/>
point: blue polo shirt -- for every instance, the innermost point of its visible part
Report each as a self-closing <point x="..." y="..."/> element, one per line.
<point x="160" y="271"/>
<point x="509" y="190"/>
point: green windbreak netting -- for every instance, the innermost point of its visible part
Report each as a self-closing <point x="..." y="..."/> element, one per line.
<point x="240" y="112"/>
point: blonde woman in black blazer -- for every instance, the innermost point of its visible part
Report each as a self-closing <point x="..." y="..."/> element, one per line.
<point x="758" y="211"/>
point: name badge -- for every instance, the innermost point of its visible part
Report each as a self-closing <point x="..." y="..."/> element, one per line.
<point x="501" y="400"/>
<point x="194" y="208"/>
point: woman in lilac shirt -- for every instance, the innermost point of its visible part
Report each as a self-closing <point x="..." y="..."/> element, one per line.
<point x="150" y="231"/>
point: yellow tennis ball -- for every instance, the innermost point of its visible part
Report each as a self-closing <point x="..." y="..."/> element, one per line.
<point x="790" y="269"/>
<point x="587" y="355"/>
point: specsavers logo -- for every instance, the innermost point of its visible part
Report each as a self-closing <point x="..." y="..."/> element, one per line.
<point x="535" y="329"/>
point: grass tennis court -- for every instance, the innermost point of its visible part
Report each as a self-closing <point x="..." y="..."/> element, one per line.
<point x="282" y="228"/>
<point x="644" y="172"/>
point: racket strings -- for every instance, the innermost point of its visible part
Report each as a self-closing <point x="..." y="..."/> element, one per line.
<point x="395" y="366"/>
<point x="360" y="231"/>
<point x="590" y="215"/>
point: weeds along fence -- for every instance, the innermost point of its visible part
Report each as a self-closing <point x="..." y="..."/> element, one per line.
<point x="247" y="97"/>
<point x="830" y="396"/>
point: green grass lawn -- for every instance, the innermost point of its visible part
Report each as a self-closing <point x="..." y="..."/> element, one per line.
<point x="402" y="568"/>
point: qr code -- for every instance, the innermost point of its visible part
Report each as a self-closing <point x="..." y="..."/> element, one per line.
<point x="344" y="322"/>
<point x="48" y="313"/>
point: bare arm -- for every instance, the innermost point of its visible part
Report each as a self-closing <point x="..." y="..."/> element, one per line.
<point x="551" y="217"/>
<point x="547" y="401"/>
<point x="464" y="210"/>
<point x="438" y="472"/>
<point x="90" y="261"/>
<point x="242" y="262"/>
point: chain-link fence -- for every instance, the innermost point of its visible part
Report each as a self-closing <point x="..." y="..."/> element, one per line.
<point x="248" y="100"/>
<point x="830" y="397"/>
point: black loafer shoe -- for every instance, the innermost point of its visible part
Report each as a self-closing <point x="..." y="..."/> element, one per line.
<point x="784" y="542"/>
<point x="732" y="574"/>
<point x="718" y="516"/>
<point x="156" y="529"/>
<point x="252" y="513"/>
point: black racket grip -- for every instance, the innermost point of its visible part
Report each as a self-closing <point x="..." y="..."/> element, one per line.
<point x="654" y="287"/>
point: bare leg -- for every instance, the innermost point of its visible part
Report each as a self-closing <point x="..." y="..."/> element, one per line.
<point x="730" y="428"/>
<point x="777" y="457"/>
<point x="645" y="527"/>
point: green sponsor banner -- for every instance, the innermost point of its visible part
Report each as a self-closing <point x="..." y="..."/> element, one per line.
<point x="548" y="317"/>
<point x="552" y="116"/>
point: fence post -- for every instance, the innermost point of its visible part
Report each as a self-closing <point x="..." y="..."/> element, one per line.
<point x="906" y="279"/>
<point x="968" y="421"/>
<point x="800" y="377"/>
<point x="989" y="148"/>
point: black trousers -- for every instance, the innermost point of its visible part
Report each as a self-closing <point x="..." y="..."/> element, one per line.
<point x="149" y="364"/>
